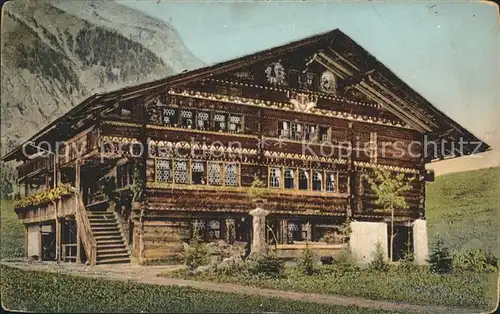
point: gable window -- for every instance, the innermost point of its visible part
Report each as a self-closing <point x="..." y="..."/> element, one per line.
<point x="169" y="116"/>
<point x="317" y="181"/>
<point x="124" y="175"/>
<point x="330" y="182"/>
<point x="283" y="129"/>
<point x="163" y="170"/>
<point x="303" y="179"/>
<point x="197" y="172"/>
<point x="203" y="119"/>
<point x="274" y="177"/>
<point x="219" y="122"/>
<point x="181" y="171"/>
<point x="296" y="131"/>
<point x="235" y="123"/>
<point x="323" y="134"/>
<point x="289" y="178"/>
<point x="214" y="173"/>
<point x="232" y="174"/>
<point x="186" y="119"/>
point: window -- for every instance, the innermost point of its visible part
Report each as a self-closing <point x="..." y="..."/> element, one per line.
<point x="310" y="133"/>
<point x="203" y="120"/>
<point x="323" y="134"/>
<point x="283" y="130"/>
<point x="169" y="116"/>
<point x="330" y="182"/>
<point x="232" y="174"/>
<point x="303" y="179"/>
<point x="289" y="178"/>
<point x="219" y="122"/>
<point x="214" y="173"/>
<point x="317" y="183"/>
<point x="298" y="231"/>
<point x="214" y="231"/>
<point x="274" y="177"/>
<point x="235" y="123"/>
<point x="163" y="170"/>
<point x="296" y="131"/>
<point x="186" y="120"/>
<point x="197" y="172"/>
<point x="124" y="175"/>
<point x="181" y="172"/>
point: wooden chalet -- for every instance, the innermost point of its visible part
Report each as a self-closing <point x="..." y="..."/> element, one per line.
<point x="308" y="118"/>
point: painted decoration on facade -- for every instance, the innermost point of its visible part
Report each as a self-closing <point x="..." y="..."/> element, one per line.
<point x="303" y="102"/>
<point x="275" y="73"/>
<point x="244" y="75"/>
<point x="328" y="82"/>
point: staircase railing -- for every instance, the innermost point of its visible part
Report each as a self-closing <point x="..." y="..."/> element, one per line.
<point x="86" y="236"/>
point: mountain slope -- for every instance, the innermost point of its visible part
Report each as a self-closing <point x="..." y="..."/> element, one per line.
<point x="462" y="208"/>
<point x="54" y="56"/>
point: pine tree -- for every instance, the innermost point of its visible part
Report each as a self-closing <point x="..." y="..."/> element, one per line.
<point x="440" y="260"/>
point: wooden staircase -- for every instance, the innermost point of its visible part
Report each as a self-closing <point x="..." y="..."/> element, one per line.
<point x="111" y="248"/>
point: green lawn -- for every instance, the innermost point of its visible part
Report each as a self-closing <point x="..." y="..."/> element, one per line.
<point x="12" y="232"/>
<point x="417" y="286"/>
<point x="462" y="208"/>
<point x="50" y="292"/>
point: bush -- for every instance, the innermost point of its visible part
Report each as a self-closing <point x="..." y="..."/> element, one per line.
<point x="308" y="261"/>
<point x="345" y="258"/>
<point x="267" y="264"/>
<point x="378" y="263"/>
<point x="407" y="261"/>
<point x="476" y="260"/>
<point x="196" y="254"/>
<point x="439" y="260"/>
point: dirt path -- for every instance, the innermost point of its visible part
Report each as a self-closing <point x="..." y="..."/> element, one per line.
<point x="148" y="275"/>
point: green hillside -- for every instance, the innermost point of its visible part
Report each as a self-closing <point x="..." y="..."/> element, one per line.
<point x="462" y="208"/>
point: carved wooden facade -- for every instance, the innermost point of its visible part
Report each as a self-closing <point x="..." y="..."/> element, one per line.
<point x="308" y="118"/>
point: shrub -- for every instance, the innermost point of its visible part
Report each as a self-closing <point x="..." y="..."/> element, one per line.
<point x="378" y="263"/>
<point x="439" y="260"/>
<point x="307" y="261"/>
<point x="345" y="258"/>
<point x="267" y="264"/>
<point x="407" y="260"/>
<point x="196" y="254"/>
<point x="476" y="260"/>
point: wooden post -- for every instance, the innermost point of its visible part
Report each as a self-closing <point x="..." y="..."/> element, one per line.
<point x="78" y="232"/>
<point x="58" y="240"/>
<point x="40" y="243"/>
<point x="78" y="245"/>
<point x="26" y="241"/>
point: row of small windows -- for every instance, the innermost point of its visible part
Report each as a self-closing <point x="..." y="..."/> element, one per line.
<point x="188" y="171"/>
<point x="303" y="179"/>
<point x="198" y="119"/>
<point x="303" y="131"/>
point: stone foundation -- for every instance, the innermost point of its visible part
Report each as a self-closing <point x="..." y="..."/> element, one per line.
<point x="420" y="245"/>
<point x="34" y="241"/>
<point x="364" y="238"/>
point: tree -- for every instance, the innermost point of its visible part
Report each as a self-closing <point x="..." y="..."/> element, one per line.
<point x="440" y="260"/>
<point x="390" y="189"/>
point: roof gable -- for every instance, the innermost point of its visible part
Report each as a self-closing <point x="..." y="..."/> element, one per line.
<point x="356" y="74"/>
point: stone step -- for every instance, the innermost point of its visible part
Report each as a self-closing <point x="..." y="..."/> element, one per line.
<point x="106" y="246"/>
<point x="114" y="261"/>
<point x="106" y="251"/>
<point x="103" y="238"/>
<point x="105" y="228"/>
<point x="101" y="257"/>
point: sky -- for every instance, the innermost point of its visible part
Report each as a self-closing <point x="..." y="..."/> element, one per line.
<point x="448" y="52"/>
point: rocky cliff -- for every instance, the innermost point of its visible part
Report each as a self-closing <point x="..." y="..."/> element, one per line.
<point x="57" y="53"/>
